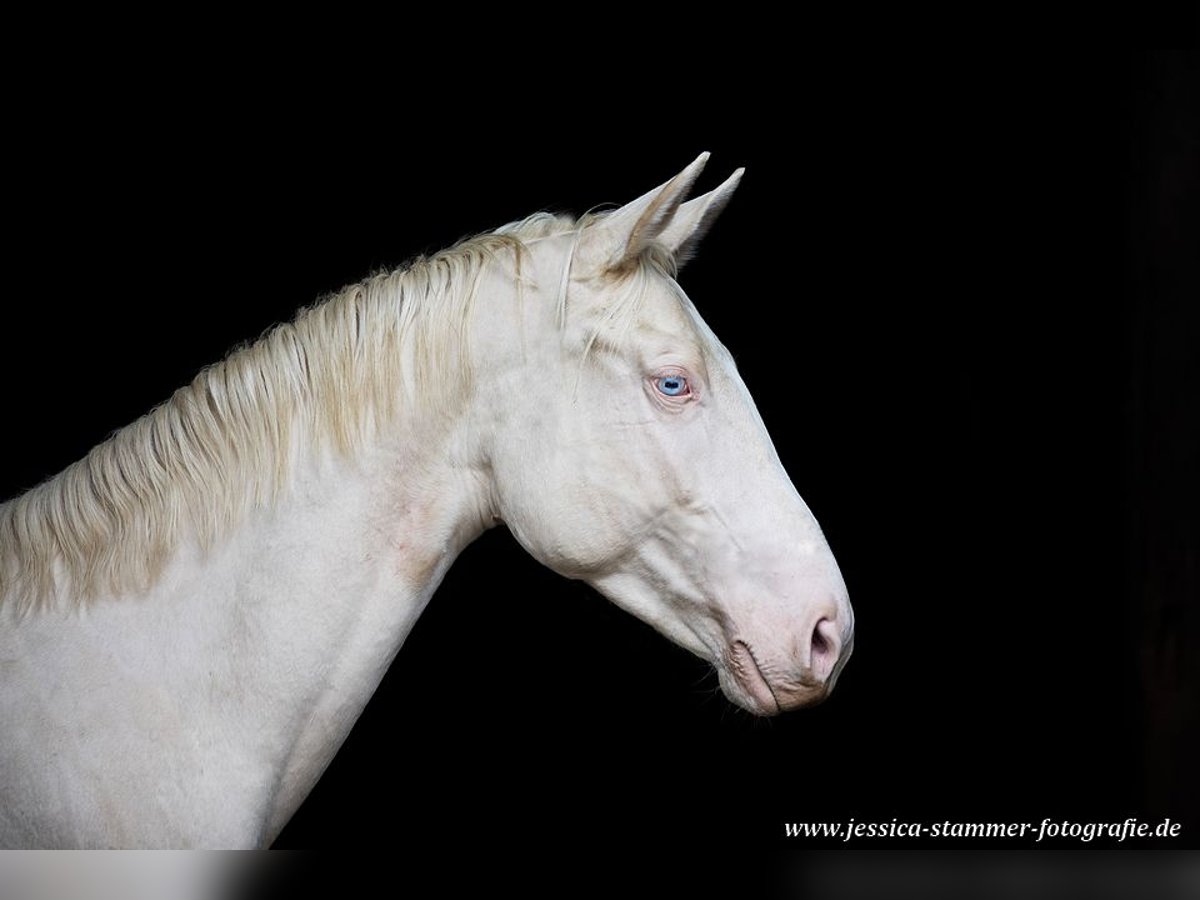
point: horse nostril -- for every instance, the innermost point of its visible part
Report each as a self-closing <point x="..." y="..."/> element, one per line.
<point x="825" y="649"/>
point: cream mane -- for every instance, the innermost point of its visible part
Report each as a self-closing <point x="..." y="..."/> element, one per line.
<point x="223" y="445"/>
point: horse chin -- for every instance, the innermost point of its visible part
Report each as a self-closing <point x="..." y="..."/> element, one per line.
<point x="747" y="685"/>
<point x="744" y="685"/>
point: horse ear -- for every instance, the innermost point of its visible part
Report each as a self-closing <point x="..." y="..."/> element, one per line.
<point x="693" y="219"/>
<point x="619" y="238"/>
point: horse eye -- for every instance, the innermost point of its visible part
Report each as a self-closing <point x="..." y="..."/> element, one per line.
<point x="672" y="385"/>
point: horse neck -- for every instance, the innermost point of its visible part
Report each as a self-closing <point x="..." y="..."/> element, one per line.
<point x="360" y="558"/>
<point x="345" y="570"/>
<point x="307" y="605"/>
<point x="244" y="666"/>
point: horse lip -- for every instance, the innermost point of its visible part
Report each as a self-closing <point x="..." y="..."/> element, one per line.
<point x="752" y="679"/>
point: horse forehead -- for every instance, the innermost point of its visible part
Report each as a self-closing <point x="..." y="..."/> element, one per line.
<point x="664" y="307"/>
<point x="678" y="321"/>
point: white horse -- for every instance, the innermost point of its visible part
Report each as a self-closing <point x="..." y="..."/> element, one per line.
<point x="193" y="616"/>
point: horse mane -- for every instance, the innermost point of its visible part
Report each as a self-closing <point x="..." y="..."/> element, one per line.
<point x="224" y="444"/>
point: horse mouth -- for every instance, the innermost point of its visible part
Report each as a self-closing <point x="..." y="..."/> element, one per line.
<point x="749" y="676"/>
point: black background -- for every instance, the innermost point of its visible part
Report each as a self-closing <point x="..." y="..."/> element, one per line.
<point x="963" y="290"/>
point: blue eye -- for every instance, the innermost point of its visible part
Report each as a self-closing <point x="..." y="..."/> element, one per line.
<point x="672" y="385"/>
